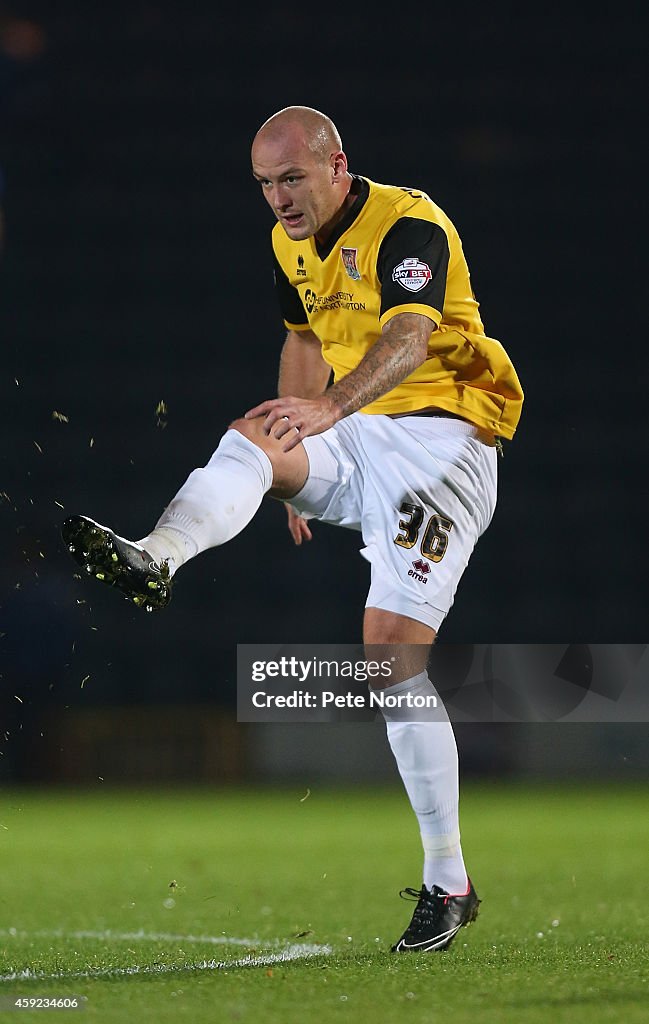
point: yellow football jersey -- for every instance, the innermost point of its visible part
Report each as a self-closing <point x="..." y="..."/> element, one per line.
<point x="395" y="251"/>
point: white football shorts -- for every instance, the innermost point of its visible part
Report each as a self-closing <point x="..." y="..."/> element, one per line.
<point x="421" y="489"/>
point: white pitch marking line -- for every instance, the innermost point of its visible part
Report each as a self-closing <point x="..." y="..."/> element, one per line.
<point x="139" y="936"/>
<point x="294" y="952"/>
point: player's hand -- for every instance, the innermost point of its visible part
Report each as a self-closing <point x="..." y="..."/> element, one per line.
<point x="298" y="527"/>
<point x="296" y="418"/>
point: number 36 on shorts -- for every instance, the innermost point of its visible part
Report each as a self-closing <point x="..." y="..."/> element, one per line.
<point x="434" y="540"/>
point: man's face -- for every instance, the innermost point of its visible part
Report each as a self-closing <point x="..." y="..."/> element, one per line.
<point x="298" y="185"/>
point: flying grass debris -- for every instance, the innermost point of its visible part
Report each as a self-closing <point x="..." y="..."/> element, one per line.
<point x="60" y="417"/>
<point x="161" y="414"/>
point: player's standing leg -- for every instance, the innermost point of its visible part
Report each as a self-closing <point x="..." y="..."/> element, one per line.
<point x="426" y="756"/>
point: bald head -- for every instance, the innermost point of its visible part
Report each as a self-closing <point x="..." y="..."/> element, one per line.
<point x="298" y="160"/>
<point x="304" y="125"/>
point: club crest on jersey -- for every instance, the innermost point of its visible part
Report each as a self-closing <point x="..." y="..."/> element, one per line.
<point x="412" y="274"/>
<point x="349" y="261"/>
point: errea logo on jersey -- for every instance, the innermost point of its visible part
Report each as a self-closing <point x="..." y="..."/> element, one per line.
<point x="412" y="274"/>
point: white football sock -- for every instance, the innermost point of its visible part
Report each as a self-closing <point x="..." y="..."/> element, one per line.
<point x="426" y="756"/>
<point x="214" y="504"/>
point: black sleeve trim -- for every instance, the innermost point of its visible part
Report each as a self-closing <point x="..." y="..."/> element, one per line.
<point x="413" y="239"/>
<point x="290" y="303"/>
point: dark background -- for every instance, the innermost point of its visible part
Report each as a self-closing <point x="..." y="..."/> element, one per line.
<point x="136" y="269"/>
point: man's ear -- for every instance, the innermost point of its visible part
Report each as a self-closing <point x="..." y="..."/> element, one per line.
<point x="338" y="166"/>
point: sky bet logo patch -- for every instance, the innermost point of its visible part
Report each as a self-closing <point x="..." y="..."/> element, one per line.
<point x="412" y="274"/>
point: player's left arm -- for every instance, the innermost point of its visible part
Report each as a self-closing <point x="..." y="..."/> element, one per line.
<point x="400" y="349"/>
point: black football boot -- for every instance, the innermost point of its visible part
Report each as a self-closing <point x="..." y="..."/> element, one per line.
<point x="117" y="562"/>
<point x="437" y="918"/>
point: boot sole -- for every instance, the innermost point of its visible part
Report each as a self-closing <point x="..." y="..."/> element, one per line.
<point x="95" y="548"/>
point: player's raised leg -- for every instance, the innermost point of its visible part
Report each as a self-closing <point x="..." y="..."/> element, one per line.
<point x="426" y="754"/>
<point x="213" y="505"/>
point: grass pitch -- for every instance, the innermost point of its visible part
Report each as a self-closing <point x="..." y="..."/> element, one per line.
<point x="253" y="905"/>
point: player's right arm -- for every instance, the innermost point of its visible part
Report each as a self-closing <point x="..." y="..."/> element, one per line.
<point x="302" y="370"/>
<point x="304" y="373"/>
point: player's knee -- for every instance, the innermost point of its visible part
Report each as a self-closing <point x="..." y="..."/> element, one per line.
<point x="252" y="429"/>
<point x="403" y="641"/>
<point x="290" y="469"/>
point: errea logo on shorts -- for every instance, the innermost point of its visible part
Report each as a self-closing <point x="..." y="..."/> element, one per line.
<point x="412" y="274"/>
<point x="420" y="570"/>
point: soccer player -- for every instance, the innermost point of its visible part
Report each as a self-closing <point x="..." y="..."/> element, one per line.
<point x="401" y="445"/>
